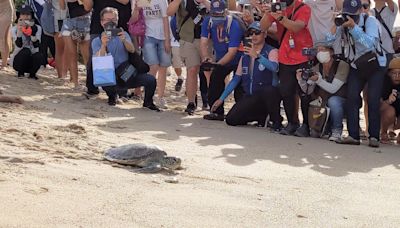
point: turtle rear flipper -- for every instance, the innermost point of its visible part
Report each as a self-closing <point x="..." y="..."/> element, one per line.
<point x="150" y="168"/>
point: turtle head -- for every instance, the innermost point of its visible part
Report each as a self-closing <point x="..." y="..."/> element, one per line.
<point x="171" y="163"/>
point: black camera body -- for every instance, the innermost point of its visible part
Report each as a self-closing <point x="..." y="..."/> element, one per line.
<point x="307" y="71"/>
<point x="340" y="19"/>
<point x="113" y="32"/>
<point x="278" y="6"/>
<point x="208" y="66"/>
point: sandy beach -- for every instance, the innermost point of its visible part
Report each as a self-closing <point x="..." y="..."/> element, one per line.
<point x="52" y="172"/>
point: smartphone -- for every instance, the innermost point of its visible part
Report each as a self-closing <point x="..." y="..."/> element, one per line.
<point x="113" y="32"/>
<point x="247" y="42"/>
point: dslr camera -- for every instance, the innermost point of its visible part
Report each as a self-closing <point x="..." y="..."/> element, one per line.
<point x="307" y="71"/>
<point x="278" y="6"/>
<point x="340" y="19"/>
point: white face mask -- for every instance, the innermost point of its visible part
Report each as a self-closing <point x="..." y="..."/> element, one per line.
<point x="324" y="56"/>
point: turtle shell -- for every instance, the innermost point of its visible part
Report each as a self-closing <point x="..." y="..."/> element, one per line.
<point x="134" y="154"/>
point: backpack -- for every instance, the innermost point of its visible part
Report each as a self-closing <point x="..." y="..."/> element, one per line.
<point x="174" y="28"/>
<point x="138" y="28"/>
<point x="47" y="19"/>
<point x="231" y="16"/>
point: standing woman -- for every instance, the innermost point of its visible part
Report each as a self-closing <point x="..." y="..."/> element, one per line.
<point x="157" y="43"/>
<point x="6" y="17"/>
<point x="61" y="59"/>
<point x="75" y="30"/>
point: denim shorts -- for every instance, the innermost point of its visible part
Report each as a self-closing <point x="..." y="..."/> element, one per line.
<point x="77" y="24"/>
<point x="154" y="52"/>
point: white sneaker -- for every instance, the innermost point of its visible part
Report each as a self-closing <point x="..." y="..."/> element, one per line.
<point x="335" y="136"/>
<point x="162" y="103"/>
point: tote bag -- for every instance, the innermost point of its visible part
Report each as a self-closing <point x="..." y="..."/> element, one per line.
<point x="103" y="71"/>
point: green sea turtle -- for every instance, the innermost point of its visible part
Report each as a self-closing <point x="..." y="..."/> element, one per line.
<point x="150" y="158"/>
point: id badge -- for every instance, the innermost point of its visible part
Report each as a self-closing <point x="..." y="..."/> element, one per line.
<point x="291" y="42"/>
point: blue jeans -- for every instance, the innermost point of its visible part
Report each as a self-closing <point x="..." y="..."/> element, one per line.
<point x="154" y="52"/>
<point x="146" y="80"/>
<point x="355" y="85"/>
<point x="336" y="105"/>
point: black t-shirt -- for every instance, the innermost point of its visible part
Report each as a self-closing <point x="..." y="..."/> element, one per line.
<point x="388" y="87"/>
<point x="76" y="10"/>
<point x="124" y="14"/>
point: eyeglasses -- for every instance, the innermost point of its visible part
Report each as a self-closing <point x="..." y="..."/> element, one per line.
<point x="394" y="74"/>
<point x="365" y="5"/>
<point x="254" y="32"/>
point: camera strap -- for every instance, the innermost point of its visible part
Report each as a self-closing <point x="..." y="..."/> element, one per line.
<point x="380" y="19"/>
<point x="290" y="18"/>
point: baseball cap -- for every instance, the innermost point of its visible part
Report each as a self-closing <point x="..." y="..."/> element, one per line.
<point x="255" y="26"/>
<point x="394" y="64"/>
<point x="351" y="6"/>
<point x="218" y="8"/>
<point x="25" y="9"/>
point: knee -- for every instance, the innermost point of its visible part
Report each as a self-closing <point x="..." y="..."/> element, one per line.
<point x="231" y="120"/>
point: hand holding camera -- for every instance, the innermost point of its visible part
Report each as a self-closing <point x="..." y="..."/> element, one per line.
<point x="207" y="65"/>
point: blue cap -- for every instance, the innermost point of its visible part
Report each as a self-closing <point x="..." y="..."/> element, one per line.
<point x="255" y="25"/>
<point x="218" y="8"/>
<point x="24" y="9"/>
<point x="351" y="6"/>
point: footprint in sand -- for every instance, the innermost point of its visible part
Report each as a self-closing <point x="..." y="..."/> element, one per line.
<point x="37" y="191"/>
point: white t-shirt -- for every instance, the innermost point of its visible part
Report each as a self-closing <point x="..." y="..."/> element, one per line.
<point x="320" y="22"/>
<point x="388" y="17"/>
<point x="153" y="17"/>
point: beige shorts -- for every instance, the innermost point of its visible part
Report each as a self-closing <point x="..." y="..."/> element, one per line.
<point x="176" y="58"/>
<point x="190" y="53"/>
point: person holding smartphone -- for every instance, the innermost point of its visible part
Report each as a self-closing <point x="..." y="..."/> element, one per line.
<point x="26" y="35"/>
<point x="256" y="73"/>
<point x="390" y="101"/>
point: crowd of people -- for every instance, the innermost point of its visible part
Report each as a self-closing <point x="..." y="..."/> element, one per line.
<point x="319" y="56"/>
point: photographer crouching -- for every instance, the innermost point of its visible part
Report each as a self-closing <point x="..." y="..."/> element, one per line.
<point x="117" y="42"/>
<point x="26" y="36"/>
<point x="256" y="74"/>
<point x="357" y="36"/>
<point x="327" y="79"/>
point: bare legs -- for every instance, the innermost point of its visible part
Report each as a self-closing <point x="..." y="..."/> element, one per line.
<point x="72" y="59"/>
<point x="61" y="58"/>
<point x="5" y="51"/>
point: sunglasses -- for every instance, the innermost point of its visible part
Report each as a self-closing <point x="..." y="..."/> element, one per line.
<point x="253" y="32"/>
<point x="365" y="5"/>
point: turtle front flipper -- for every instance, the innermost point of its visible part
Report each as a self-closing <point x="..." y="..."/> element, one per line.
<point x="150" y="168"/>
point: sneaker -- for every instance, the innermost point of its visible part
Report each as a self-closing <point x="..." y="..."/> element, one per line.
<point x="275" y="127"/>
<point x="303" y="131"/>
<point x="152" y="106"/>
<point x="373" y="142"/>
<point x="205" y="107"/>
<point x="214" y="116"/>
<point x="289" y="129"/>
<point x="190" y="108"/>
<point x="33" y="76"/>
<point x="348" y="140"/>
<point x="112" y="101"/>
<point x="90" y="95"/>
<point x="162" y="103"/>
<point x="335" y="136"/>
<point x="135" y="97"/>
<point x="178" y="85"/>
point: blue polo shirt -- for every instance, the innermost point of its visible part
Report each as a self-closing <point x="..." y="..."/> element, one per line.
<point x="232" y="39"/>
<point x="115" y="47"/>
